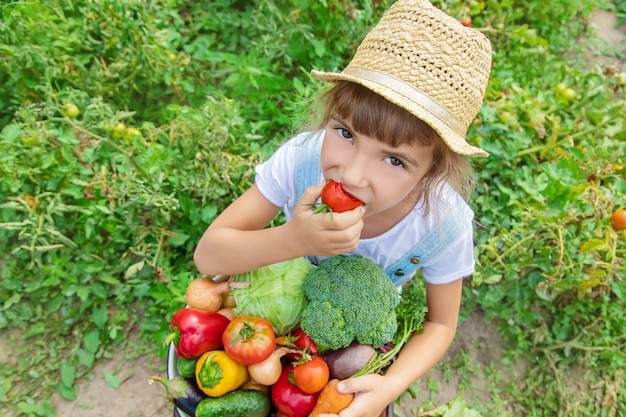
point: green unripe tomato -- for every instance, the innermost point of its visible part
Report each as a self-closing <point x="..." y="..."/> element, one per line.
<point x="30" y="140"/>
<point x="119" y="130"/>
<point x="560" y="88"/>
<point x="132" y="133"/>
<point x="71" y="110"/>
<point x="569" y="94"/>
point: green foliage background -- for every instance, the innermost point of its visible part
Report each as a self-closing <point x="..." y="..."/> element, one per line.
<point x="179" y="100"/>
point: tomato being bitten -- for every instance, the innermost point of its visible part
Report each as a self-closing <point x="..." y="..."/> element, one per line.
<point x="334" y="196"/>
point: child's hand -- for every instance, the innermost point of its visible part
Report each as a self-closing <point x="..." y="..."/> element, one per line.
<point x="324" y="234"/>
<point x="369" y="400"/>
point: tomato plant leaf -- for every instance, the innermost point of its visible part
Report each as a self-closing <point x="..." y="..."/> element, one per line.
<point x="85" y="358"/>
<point x="69" y="393"/>
<point x="112" y="380"/>
<point x="11" y="132"/>
<point x="100" y="315"/>
<point x="68" y="374"/>
<point x="134" y="269"/>
<point x="178" y="239"/>
<point x="592" y="245"/>
<point x="91" y="339"/>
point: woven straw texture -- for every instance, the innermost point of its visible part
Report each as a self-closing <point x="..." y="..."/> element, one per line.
<point x="426" y="62"/>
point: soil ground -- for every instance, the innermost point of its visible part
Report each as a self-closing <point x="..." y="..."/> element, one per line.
<point x="477" y="341"/>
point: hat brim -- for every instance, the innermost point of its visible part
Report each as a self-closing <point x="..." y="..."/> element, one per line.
<point x="455" y="142"/>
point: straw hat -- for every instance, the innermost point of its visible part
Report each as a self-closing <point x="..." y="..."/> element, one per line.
<point x="426" y="62"/>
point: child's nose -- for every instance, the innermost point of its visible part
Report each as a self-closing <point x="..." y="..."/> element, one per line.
<point x="355" y="172"/>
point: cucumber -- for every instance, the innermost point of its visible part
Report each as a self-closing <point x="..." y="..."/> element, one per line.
<point x="187" y="367"/>
<point x="239" y="403"/>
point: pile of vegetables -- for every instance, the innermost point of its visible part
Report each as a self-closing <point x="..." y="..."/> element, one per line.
<point x="243" y="349"/>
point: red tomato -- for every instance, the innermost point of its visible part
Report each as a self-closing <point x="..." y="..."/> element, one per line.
<point x="304" y="341"/>
<point x="249" y="340"/>
<point x="289" y="399"/>
<point x="311" y="376"/>
<point x="466" y="21"/>
<point x="618" y="219"/>
<point x="337" y="199"/>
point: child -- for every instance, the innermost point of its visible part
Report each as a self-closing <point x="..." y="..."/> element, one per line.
<point x="393" y="134"/>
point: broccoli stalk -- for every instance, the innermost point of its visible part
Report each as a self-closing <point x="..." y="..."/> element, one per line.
<point x="410" y="314"/>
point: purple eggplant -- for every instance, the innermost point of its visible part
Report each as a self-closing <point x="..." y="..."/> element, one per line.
<point x="183" y="392"/>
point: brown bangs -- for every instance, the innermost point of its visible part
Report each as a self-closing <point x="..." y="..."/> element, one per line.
<point x="373" y="116"/>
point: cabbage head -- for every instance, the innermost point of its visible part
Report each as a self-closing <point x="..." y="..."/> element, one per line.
<point x="275" y="293"/>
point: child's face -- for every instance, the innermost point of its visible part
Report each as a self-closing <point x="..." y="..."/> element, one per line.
<point x="381" y="176"/>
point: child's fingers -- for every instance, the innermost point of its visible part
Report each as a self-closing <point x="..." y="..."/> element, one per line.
<point x="311" y="195"/>
<point x="354" y="385"/>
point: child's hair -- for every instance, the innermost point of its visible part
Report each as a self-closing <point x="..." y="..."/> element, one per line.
<point x="374" y="116"/>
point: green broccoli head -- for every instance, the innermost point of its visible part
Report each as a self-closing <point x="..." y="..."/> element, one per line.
<point x="350" y="299"/>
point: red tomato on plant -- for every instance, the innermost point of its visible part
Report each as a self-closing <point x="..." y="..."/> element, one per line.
<point x="466" y="21"/>
<point x="249" y="340"/>
<point x="311" y="376"/>
<point x="618" y="219"/>
<point x="334" y="196"/>
<point x="289" y="399"/>
<point x="196" y="332"/>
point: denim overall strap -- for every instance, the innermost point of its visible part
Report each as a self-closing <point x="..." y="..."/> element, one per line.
<point x="452" y="224"/>
<point x="308" y="166"/>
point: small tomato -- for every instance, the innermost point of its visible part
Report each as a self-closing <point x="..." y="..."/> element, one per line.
<point x="311" y="376"/>
<point x="560" y="88"/>
<point x="301" y="340"/>
<point x="304" y="341"/>
<point x="618" y="219"/>
<point x="30" y="140"/>
<point x="567" y="93"/>
<point x="31" y="202"/>
<point x="466" y="21"/>
<point x="71" y="110"/>
<point x="249" y="340"/>
<point x="334" y="196"/>
<point x="132" y="133"/>
<point x="118" y="130"/>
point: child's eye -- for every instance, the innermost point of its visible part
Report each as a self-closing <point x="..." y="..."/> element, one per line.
<point x="393" y="161"/>
<point x="344" y="133"/>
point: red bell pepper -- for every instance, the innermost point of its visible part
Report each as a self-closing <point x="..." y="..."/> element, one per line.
<point x="196" y="332"/>
<point x="289" y="399"/>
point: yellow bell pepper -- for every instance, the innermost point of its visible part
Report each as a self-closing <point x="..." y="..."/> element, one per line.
<point x="217" y="373"/>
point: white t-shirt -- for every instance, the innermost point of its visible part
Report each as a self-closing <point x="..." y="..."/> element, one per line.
<point x="275" y="179"/>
